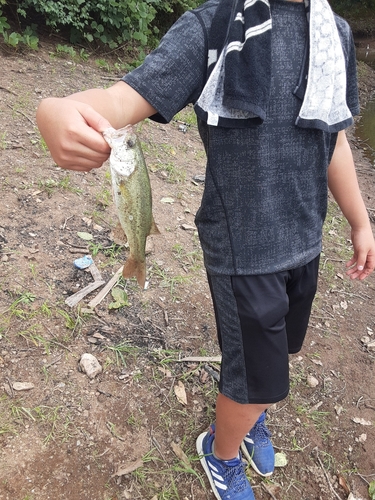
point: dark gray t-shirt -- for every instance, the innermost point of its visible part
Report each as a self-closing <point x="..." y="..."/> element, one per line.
<point x="265" y="194"/>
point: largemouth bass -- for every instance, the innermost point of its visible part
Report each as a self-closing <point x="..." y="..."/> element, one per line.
<point x="132" y="197"/>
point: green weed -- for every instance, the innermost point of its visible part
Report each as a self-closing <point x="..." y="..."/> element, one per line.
<point x="121" y="350"/>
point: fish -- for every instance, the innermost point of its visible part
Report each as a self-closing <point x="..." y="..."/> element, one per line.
<point x="132" y="197"/>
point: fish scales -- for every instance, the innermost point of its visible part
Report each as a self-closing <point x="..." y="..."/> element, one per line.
<point x="132" y="196"/>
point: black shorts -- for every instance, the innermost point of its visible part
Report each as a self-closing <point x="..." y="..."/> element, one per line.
<point x="260" y="320"/>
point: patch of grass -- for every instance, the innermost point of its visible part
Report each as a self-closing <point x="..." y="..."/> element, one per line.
<point x="187" y="115"/>
<point x="3" y="141"/>
<point x="121" y="350"/>
<point x="104" y="197"/>
<point x="32" y="335"/>
<point x="51" y="185"/>
<point x="166" y="281"/>
<point x="6" y="425"/>
<point x="74" y="321"/>
<point x="192" y="261"/>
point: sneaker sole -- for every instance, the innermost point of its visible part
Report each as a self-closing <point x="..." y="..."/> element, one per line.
<point x="199" y="445"/>
<point x="252" y="463"/>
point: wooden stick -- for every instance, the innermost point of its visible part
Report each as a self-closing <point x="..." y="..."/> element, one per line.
<point x="111" y="283"/>
<point x="95" y="273"/>
<point x="77" y="297"/>
<point x="200" y="359"/>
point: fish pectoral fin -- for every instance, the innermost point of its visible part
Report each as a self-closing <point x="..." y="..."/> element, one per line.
<point x="154" y="228"/>
<point x="135" y="269"/>
<point x="118" y="235"/>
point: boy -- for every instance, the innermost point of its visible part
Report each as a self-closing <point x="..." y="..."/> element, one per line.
<point x="274" y="87"/>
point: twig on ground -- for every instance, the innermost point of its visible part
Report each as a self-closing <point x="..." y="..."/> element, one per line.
<point x="155" y="443"/>
<point x="66" y="221"/>
<point x="8" y="90"/>
<point x="53" y="362"/>
<point x="212" y="373"/>
<point x="21" y="113"/>
<point x="363" y="478"/>
<point x="200" y="359"/>
<point x="266" y="489"/>
<point x="10" y="386"/>
<point x="73" y="300"/>
<point x="111" y="283"/>
<point x="290" y="449"/>
<point x="316" y="452"/>
<point x="61" y="345"/>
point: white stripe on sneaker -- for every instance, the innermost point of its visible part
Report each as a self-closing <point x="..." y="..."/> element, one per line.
<point x="220" y="485"/>
<point x="248" y="440"/>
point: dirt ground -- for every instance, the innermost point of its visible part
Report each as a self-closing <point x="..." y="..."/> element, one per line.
<point x="129" y="433"/>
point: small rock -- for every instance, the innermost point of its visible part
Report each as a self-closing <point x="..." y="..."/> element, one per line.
<point x="199" y="178"/>
<point x="338" y="409"/>
<point x="361" y="421"/>
<point x="90" y="365"/>
<point x="312" y="381"/>
<point x="188" y="227"/>
<point x="362" y="438"/>
<point x="22" y="386"/>
<point x="352" y="497"/>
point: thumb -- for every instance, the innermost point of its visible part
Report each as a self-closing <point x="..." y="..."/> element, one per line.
<point x="94" y="119"/>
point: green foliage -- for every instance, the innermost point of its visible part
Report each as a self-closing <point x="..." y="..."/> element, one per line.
<point x="352" y="7"/>
<point x="371" y="490"/>
<point x="110" y="23"/>
<point x="15" y="39"/>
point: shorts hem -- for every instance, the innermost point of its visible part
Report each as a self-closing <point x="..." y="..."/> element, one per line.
<point x="257" y="400"/>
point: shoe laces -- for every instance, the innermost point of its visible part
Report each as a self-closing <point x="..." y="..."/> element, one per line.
<point x="235" y="478"/>
<point x="260" y="433"/>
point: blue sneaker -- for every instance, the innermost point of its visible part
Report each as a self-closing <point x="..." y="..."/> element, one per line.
<point x="257" y="448"/>
<point x="227" y="477"/>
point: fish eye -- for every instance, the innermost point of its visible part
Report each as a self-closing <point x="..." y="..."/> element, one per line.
<point x="130" y="142"/>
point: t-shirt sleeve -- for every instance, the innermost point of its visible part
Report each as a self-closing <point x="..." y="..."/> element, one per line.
<point x="172" y="76"/>
<point x="348" y="46"/>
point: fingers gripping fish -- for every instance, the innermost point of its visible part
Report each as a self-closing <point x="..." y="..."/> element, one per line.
<point x="132" y="197"/>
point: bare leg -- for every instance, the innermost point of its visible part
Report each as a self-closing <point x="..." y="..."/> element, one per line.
<point x="233" y="422"/>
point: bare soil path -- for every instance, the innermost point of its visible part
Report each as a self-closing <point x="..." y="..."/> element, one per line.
<point x="71" y="437"/>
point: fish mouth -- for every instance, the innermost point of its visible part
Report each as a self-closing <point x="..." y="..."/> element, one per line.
<point x="120" y="138"/>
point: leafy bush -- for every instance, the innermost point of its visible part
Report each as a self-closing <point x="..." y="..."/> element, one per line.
<point x="350" y="7"/>
<point x="108" y="22"/>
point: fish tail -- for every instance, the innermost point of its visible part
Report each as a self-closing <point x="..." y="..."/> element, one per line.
<point x="135" y="268"/>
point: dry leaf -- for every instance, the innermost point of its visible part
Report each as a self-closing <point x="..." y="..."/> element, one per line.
<point x="123" y="470"/>
<point x="165" y="371"/>
<point x="167" y="199"/>
<point x="180" y="392"/>
<point x="280" y="460"/>
<point x="180" y="454"/>
<point x="344" y="485"/>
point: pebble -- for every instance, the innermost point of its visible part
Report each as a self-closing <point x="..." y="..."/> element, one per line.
<point x="312" y="381"/>
<point x="22" y="386"/>
<point x="90" y="365"/>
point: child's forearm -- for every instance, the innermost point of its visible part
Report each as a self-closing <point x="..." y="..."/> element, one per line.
<point x="343" y="184"/>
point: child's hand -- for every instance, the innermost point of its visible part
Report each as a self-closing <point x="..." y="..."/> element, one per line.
<point x="362" y="263"/>
<point x="72" y="131"/>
